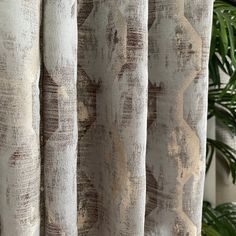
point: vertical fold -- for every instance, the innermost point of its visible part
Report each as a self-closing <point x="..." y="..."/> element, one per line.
<point x="19" y="118"/>
<point x="60" y="131"/>
<point x="42" y="199"/>
<point x="112" y="116"/>
<point x="179" y="40"/>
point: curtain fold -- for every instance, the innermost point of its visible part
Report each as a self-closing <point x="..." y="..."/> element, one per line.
<point x="60" y="132"/>
<point x="112" y="115"/>
<point x="179" y="38"/>
<point x="123" y="116"/>
<point x="19" y="117"/>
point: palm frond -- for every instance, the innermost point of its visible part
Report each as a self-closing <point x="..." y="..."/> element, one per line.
<point x="223" y="107"/>
<point x="227" y="155"/>
<point x="223" y="43"/>
<point x="220" y="220"/>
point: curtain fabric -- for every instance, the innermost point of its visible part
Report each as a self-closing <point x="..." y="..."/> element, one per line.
<point x="103" y="110"/>
<point x="179" y="37"/>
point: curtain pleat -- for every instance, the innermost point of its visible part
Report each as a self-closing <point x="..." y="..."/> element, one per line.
<point x="179" y="38"/>
<point x="123" y="114"/>
<point x="60" y="133"/>
<point x="19" y="118"/>
<point x="112" y="115"/>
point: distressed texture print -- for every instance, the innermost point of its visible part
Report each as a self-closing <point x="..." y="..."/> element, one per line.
<point x="179" y="37"/>
<point x="19" y="118"/>
<point x="112" y="114"/>
<point x="123" y="116"/>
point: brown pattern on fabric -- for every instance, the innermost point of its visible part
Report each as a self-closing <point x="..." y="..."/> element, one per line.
<point x="54" y="230"/>
<point x="26" y="194"/>
<point x="17" y="156"/>
<point x="127" y="96"/>
<point x="135" y="39"/>
<point x="3" y="64"/>
<point x="56" y="98"/>
<point x="87" y="196"/>
<point x="50" y="96"/>
<point x="85" y="7"/>
<point x="87" y="92"/>
<point x="151" y="12"/>
<point x="151" y="202"/>
<point x="126" y="67"/>
<point x="153" y="91"/>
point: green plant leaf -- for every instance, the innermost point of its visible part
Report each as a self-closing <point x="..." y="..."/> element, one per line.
<point x="219" y="220"/>
<point x="227" y="154"/>
<point x="223" y="36"/>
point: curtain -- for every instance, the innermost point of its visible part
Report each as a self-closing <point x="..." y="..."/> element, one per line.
<point x="103" y="111"/>
<point x="179" y="36"/>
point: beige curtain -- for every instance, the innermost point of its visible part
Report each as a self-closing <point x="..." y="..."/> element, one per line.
<point x="103" y="107"/>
